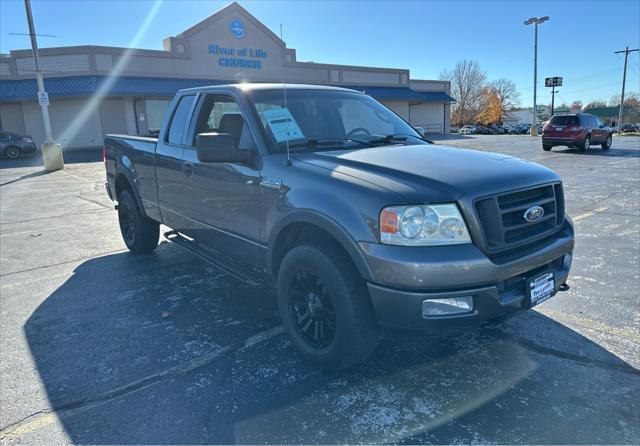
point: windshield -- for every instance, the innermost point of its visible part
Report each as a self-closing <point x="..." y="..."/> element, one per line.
<point x="328" y="120"/>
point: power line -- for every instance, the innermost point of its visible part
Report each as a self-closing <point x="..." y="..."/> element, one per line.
<point x="575" y="79"/>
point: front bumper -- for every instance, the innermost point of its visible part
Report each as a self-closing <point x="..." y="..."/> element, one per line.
<point x="403" y="278"/>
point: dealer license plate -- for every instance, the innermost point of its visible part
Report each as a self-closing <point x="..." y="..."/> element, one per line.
<point x="541" y="288"/>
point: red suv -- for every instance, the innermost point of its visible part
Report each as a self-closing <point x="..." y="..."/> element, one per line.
<point x="580" y="130"/>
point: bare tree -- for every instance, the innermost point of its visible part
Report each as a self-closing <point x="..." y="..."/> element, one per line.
<point x="467" y="81"/>
<point x="630" y="97"/>
<point x="507" y="94"/>
<point x="596" y="104"/>
<point x="631" y="111"/>
<point x="576" y="105"/>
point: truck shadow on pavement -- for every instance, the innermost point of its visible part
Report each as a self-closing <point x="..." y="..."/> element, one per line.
<point x="154" y="349"/>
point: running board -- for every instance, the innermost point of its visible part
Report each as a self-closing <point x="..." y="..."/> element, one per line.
<point x="241" y="272"/>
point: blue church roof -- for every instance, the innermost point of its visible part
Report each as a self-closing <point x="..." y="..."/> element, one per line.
<point x="80" y="86"/>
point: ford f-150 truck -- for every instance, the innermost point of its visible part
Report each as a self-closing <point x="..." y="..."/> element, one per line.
<point x="360" y="223"/>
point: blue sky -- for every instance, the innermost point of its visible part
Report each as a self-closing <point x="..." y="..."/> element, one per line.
<point x="424" y="36"/>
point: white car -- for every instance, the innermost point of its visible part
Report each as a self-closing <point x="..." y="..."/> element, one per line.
<point x="468" y="130"/>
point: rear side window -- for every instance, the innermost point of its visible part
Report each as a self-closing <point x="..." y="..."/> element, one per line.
<point x="179" y="121"/>
<point x="588" y="121"/>
<point x="565" y="120"/>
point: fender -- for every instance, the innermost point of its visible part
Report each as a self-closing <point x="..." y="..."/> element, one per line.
<point x="125" y="167"/>
<point x="327" y="224"/>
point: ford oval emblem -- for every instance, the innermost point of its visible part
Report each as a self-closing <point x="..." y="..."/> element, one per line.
<point x="534" y="213"/>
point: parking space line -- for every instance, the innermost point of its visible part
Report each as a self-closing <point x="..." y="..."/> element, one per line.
<point x="591" y="324"/>
<point x="540" y="158"/>
<point x="46" y="417"/>
<point x="590" y="213"/>
<point x="78" y="177"/>
<point x="37" y="230"/>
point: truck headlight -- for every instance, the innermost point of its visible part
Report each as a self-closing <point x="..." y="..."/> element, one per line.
<point x="436" y="224"/>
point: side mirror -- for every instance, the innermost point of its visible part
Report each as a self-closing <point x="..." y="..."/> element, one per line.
<point x="218" y="148"/>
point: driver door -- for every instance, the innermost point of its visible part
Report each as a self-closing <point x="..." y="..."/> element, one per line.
<point x="222" y="200"/>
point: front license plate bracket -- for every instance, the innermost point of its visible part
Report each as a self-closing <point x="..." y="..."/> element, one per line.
<point x="541" y="288"/>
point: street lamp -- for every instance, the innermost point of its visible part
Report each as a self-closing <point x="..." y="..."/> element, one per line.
<point x="535" y="21"/>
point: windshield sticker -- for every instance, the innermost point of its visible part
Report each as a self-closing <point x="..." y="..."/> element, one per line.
<point x="283" y="126"/>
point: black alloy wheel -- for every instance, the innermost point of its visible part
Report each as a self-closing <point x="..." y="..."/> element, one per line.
<point x="127" y="222"/>
<point x="312" y="310"/>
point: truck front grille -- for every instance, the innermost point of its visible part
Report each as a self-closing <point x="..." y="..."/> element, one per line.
<point x="502" y="218"/>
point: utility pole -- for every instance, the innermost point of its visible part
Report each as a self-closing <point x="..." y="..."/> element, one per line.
<point x="626" y="52"/>
<point x="51" y="152"/>
<point x="535" y="21"/>
<point x="553" y="96"/>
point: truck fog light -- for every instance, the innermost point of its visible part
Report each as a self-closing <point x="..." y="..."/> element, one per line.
<point x="445" y="307"/>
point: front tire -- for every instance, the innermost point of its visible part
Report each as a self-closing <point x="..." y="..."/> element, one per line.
<point x="140" y="233"/>
<point x="585" y="144"/>
<point x="606" y="145"/>
<point x="325" y="307"/>
<point x="546" y="148"/>
<point x="12" y="152"/>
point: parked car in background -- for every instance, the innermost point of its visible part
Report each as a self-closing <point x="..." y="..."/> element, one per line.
<point x="496" y="129"/>
<point x="454" y="129"/>
<point x="468" y="130"/>
<point x="579" y="131"/>
<point x="482" y="130"/>
<point x="519" y="129"/>
<point x="629" y="128"/>
<point x="14" y="146"/>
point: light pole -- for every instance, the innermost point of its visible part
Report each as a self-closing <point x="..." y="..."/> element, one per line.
<point x="51" y="152"/>
<point x="535" y="21"/>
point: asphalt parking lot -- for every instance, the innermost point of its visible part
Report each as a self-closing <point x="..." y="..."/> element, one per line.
<point x="99" y="346"/>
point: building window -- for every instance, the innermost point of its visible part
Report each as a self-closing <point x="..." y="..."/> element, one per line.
<point x="156" y="109"/>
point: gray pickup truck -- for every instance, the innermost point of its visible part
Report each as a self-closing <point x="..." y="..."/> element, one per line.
<point x="361" y="224"/>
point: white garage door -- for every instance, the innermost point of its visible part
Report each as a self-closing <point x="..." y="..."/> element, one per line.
<point x="67" y="130"/>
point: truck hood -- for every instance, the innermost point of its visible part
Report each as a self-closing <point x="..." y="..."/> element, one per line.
<point x="422" y="173"/>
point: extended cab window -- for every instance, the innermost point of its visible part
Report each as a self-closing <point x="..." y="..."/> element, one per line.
<point x="179" y="120"/>
<point x="221" y="114"/>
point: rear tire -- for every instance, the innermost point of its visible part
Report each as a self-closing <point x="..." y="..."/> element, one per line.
<point x="546" y="148"/>
<point x="585" y="144"/>
<point x="325" y="307"/>
<point x="13" y="152"/>
<point x="606" y="145"/>
<point x="140" y="233"/>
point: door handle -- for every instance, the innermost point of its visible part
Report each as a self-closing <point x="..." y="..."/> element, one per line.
<point x="187" y="168"/>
